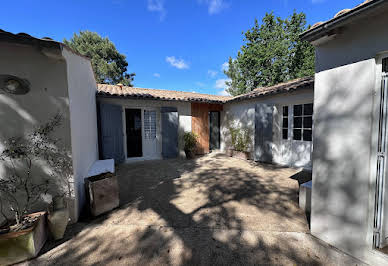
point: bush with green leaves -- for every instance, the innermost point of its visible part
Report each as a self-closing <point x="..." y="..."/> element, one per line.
<point x="240" y="138"/>
<point x="191" y="140"/>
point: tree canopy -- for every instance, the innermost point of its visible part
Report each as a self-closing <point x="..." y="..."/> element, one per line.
<point x="108" y="64"/>
<point x="272" y="53"/>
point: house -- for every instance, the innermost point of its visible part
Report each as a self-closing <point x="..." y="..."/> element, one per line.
<point x="57" y="80"/>
<point x="138" y="124"/>
<point x="349" y="203"/>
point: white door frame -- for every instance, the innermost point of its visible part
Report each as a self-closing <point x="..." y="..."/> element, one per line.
<point x="142" y="109"/>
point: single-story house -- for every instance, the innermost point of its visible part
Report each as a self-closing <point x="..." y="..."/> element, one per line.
<point x="137" y="124"/>
<point x="349" y="183"/>
<point x="57" y="80"/>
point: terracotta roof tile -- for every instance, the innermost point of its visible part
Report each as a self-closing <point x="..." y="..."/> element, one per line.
<point x="292" y="85"/>
<point x="167" y="95"/>
<point x="338" y="15"/>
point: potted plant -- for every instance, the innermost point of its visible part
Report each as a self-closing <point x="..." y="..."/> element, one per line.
<point x="23" y="233"/>
<point x="190" y="139"/>
<point x="240" y="140"/>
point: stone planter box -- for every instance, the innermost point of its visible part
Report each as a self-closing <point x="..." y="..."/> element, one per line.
<point x="25" y="244"/>
<point x="103" y="193"/>
<point x="305" y="196"/>
<point x="239" y="154"/>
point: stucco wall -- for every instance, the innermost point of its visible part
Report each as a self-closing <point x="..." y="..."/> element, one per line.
<point x="242" y="114"/>
<point x="19" y="114"/>
<point x="343" y="164"/>
<point x="184" y="112"/>
<point x="83" y="120"/>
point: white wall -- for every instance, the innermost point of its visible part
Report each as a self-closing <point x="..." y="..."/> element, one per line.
<point x="184" y="112"/>
<point x="19" y="114"/>
<point x="344" y="161"/>
<point x="83" y="120"/>
<point x="242" y="114"/>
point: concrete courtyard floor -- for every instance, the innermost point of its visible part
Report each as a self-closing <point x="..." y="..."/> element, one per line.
<point x="213" y="210"/>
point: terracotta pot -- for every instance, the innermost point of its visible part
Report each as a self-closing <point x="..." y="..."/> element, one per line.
<point x="25" y="244"/>
<point x="242" y="155"/>
<point x="190" y="154"/>
<point x="58" y="218"/>
<point x="229" y="152"/>
<point x="103" y="193"/>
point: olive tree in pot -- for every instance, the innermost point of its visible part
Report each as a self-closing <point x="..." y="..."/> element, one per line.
<point x="190" y="139"/>
<point x="240" y="140"/>
<point x="23" y="233"/>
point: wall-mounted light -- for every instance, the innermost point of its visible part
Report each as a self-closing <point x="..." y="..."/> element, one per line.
<point x="14" y="85"/>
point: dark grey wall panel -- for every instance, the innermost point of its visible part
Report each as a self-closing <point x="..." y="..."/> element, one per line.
<point x="170" y="125"/>
<point x="111" y="132"/>
<point x="263" y="132"/>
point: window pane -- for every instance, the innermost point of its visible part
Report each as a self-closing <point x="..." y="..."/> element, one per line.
<point x="285" y="110"/>
<point x="285" y="133"/>
<point x="149" y="124"/>
<point x="297" y="122"/>
<point x="308" y="109"/>
<point x="285" y="122"/>
<point x="307" y="135"/>
<point x="297" y="134"/>
<point x="298" y="110"/>
<point x="307" y="122"/>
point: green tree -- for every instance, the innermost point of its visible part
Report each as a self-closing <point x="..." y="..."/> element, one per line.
<point x="272" y="53"/>
<point x="108" y="64"/>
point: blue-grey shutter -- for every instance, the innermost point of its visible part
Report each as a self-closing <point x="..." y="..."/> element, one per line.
<point x="263" y="132"/>
<point x="169" y="132"/>
<point x="111" y="132"/>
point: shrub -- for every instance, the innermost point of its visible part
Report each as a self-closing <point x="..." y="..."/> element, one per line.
<point x="190" y="139"/>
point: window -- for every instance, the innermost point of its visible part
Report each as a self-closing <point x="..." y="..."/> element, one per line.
<point x="303" y="122"/>
<point x="149" y="124"/>
<point x="285" y="122"/>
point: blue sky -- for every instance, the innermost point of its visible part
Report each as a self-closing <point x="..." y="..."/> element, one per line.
<point x="169" y="44"/>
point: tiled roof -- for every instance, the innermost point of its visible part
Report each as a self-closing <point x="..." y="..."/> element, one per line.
<point x="289" y="86"/>
<point x="25" y="38"/>
<point x="322" y="25"/>
<point x="167" y="95"/>
<point x="130" y="92"/>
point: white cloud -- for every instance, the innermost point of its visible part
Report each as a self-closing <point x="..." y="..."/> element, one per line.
<point x="156" y="75"/>
<point x="212" y="73"/>
<point x="223" y="93"/>
<point x="215" y="6"/>
<point x="220" y="83"/>
<point x="225" y="66"/>
<point x="178" y="63"/>
<point x="157" y="6"/>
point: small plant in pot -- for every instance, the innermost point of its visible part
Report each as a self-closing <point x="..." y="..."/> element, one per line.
<point x="190" y="139"/>
<point x="23" y="233"/>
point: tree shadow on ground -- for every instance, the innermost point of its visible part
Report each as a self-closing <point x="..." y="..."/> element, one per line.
<point x="212" y="210"/>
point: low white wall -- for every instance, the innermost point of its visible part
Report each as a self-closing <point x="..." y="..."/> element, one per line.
<point x="83" y="120"/>
<point x="184" y="112"/>
<point x="242" y="114"/>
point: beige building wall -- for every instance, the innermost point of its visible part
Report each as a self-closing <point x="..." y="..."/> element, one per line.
<point x="19" y="114"/>
<point x="184" y="113"/>
<point x="242" y="114"/>
<point x="346" y="83"/>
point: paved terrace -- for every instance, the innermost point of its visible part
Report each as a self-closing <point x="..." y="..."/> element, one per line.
<point x="213" y="210"/>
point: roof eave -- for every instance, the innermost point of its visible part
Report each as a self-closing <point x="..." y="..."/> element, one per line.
<point x="322" y="30"/>
<point x="108" y="95"/>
